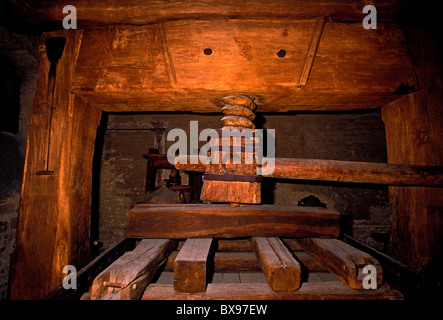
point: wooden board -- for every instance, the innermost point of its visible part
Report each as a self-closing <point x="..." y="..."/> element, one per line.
<point x="224" y="221"/>
<point x="334" y="290"/>
<point x="190" y="266"/>
<point x="343" y="260"/>
<point x="225" y="262"/>
<point x="88" y="273"/>
<point x="127" y="277"/>
<point x="281" y="269"/>
<point x="237" y="255"/>
<point x="163" y="67"/>
<point x="344" y="171"/>
<point x="358" y="172"/>
<point x="231" y="192"/>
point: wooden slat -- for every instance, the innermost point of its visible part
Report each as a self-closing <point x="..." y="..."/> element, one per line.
<point x="190" y="266"/>
<point x="234" y="245"/>
<point x="343" y="260"/>
<point x="247" y="261"/>
<point x="414" y="135"/>
<point x="224" y="221"/>
<point x="225" y="262"/>
<point x="358" y="172"/>
<point x="281" y="269"/>
<point x="334" y="290"/>
<point x="244" y="245"/>
<point x="127" y="277"/>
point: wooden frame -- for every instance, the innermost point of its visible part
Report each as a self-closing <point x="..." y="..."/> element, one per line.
<point x="54" y="217"/>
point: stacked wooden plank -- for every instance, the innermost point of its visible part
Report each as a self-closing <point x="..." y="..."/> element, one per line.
<point x="285" y="263"/>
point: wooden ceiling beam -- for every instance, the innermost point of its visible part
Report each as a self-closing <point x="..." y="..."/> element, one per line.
<point x="167" y="66"/>
<point x="49" y="13"/>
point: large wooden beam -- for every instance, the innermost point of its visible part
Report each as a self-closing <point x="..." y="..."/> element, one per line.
<point x="127" y="277"/>
<point x="191" y="266"/>
<point x="281" y="269"/>
<point x="88" y="273"/>
<point x="414" y="136"/>
<point x="54" y="215"/>
<point x="341" y="171"/>
<point x="343" y="260"/>
<point x="225" y="221"/>
<point x="175" y="73"/>
<point x="358" y="172"/>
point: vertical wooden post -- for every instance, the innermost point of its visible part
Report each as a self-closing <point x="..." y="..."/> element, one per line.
<point x="54" y="215"/>
<point x="191" y="266"/>
<point x="414" y="136"/>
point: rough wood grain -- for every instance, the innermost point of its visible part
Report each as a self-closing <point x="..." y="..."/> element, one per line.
<point x="281" y="269"/>
<point x="343" y="171"/>
<point x="414" y="135"/>
<point x="231" y="192"/>
<point x="190" y="266"/>
<point x="88" y="273"/>
<point x="54" y="215"/>
<point x="139" y="12"/>
<point x="225" y="262"/>
<point x="237" y="254"/>
<point x="334" y="290"/>
<point x="358" y="172"/>
<point x="127" y="277"/>
<point x="164" y="67"/>
<point x="343" y="260"/>
<point x="224" y="221"/>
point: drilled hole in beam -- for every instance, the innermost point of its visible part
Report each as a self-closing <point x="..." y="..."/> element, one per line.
<point x="207" y="51"/>
<point x="281" y="53"/>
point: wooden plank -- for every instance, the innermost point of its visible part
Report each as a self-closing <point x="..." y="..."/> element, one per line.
<point x="343" y="260"/>
<point x="235" y="262"/>
<point x="335" y="290"/>
<point x="358" y="172"/>
<point x="127" y="277"/>
<point x="129" y="68"/>
<point x="345" y="171"/>
<point x="247" y="261"/>
<point x="231" y="192"/>
<point x="225" y="262"/>
<point x="281" y="269"/>
<point x="87" y="274"/>
<point x="233" y="245"/>
<point x="55" y="210"/>
<point x="224" y="221"/>
<point x="190" y="266"/>
<point x="309" y="262"/>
